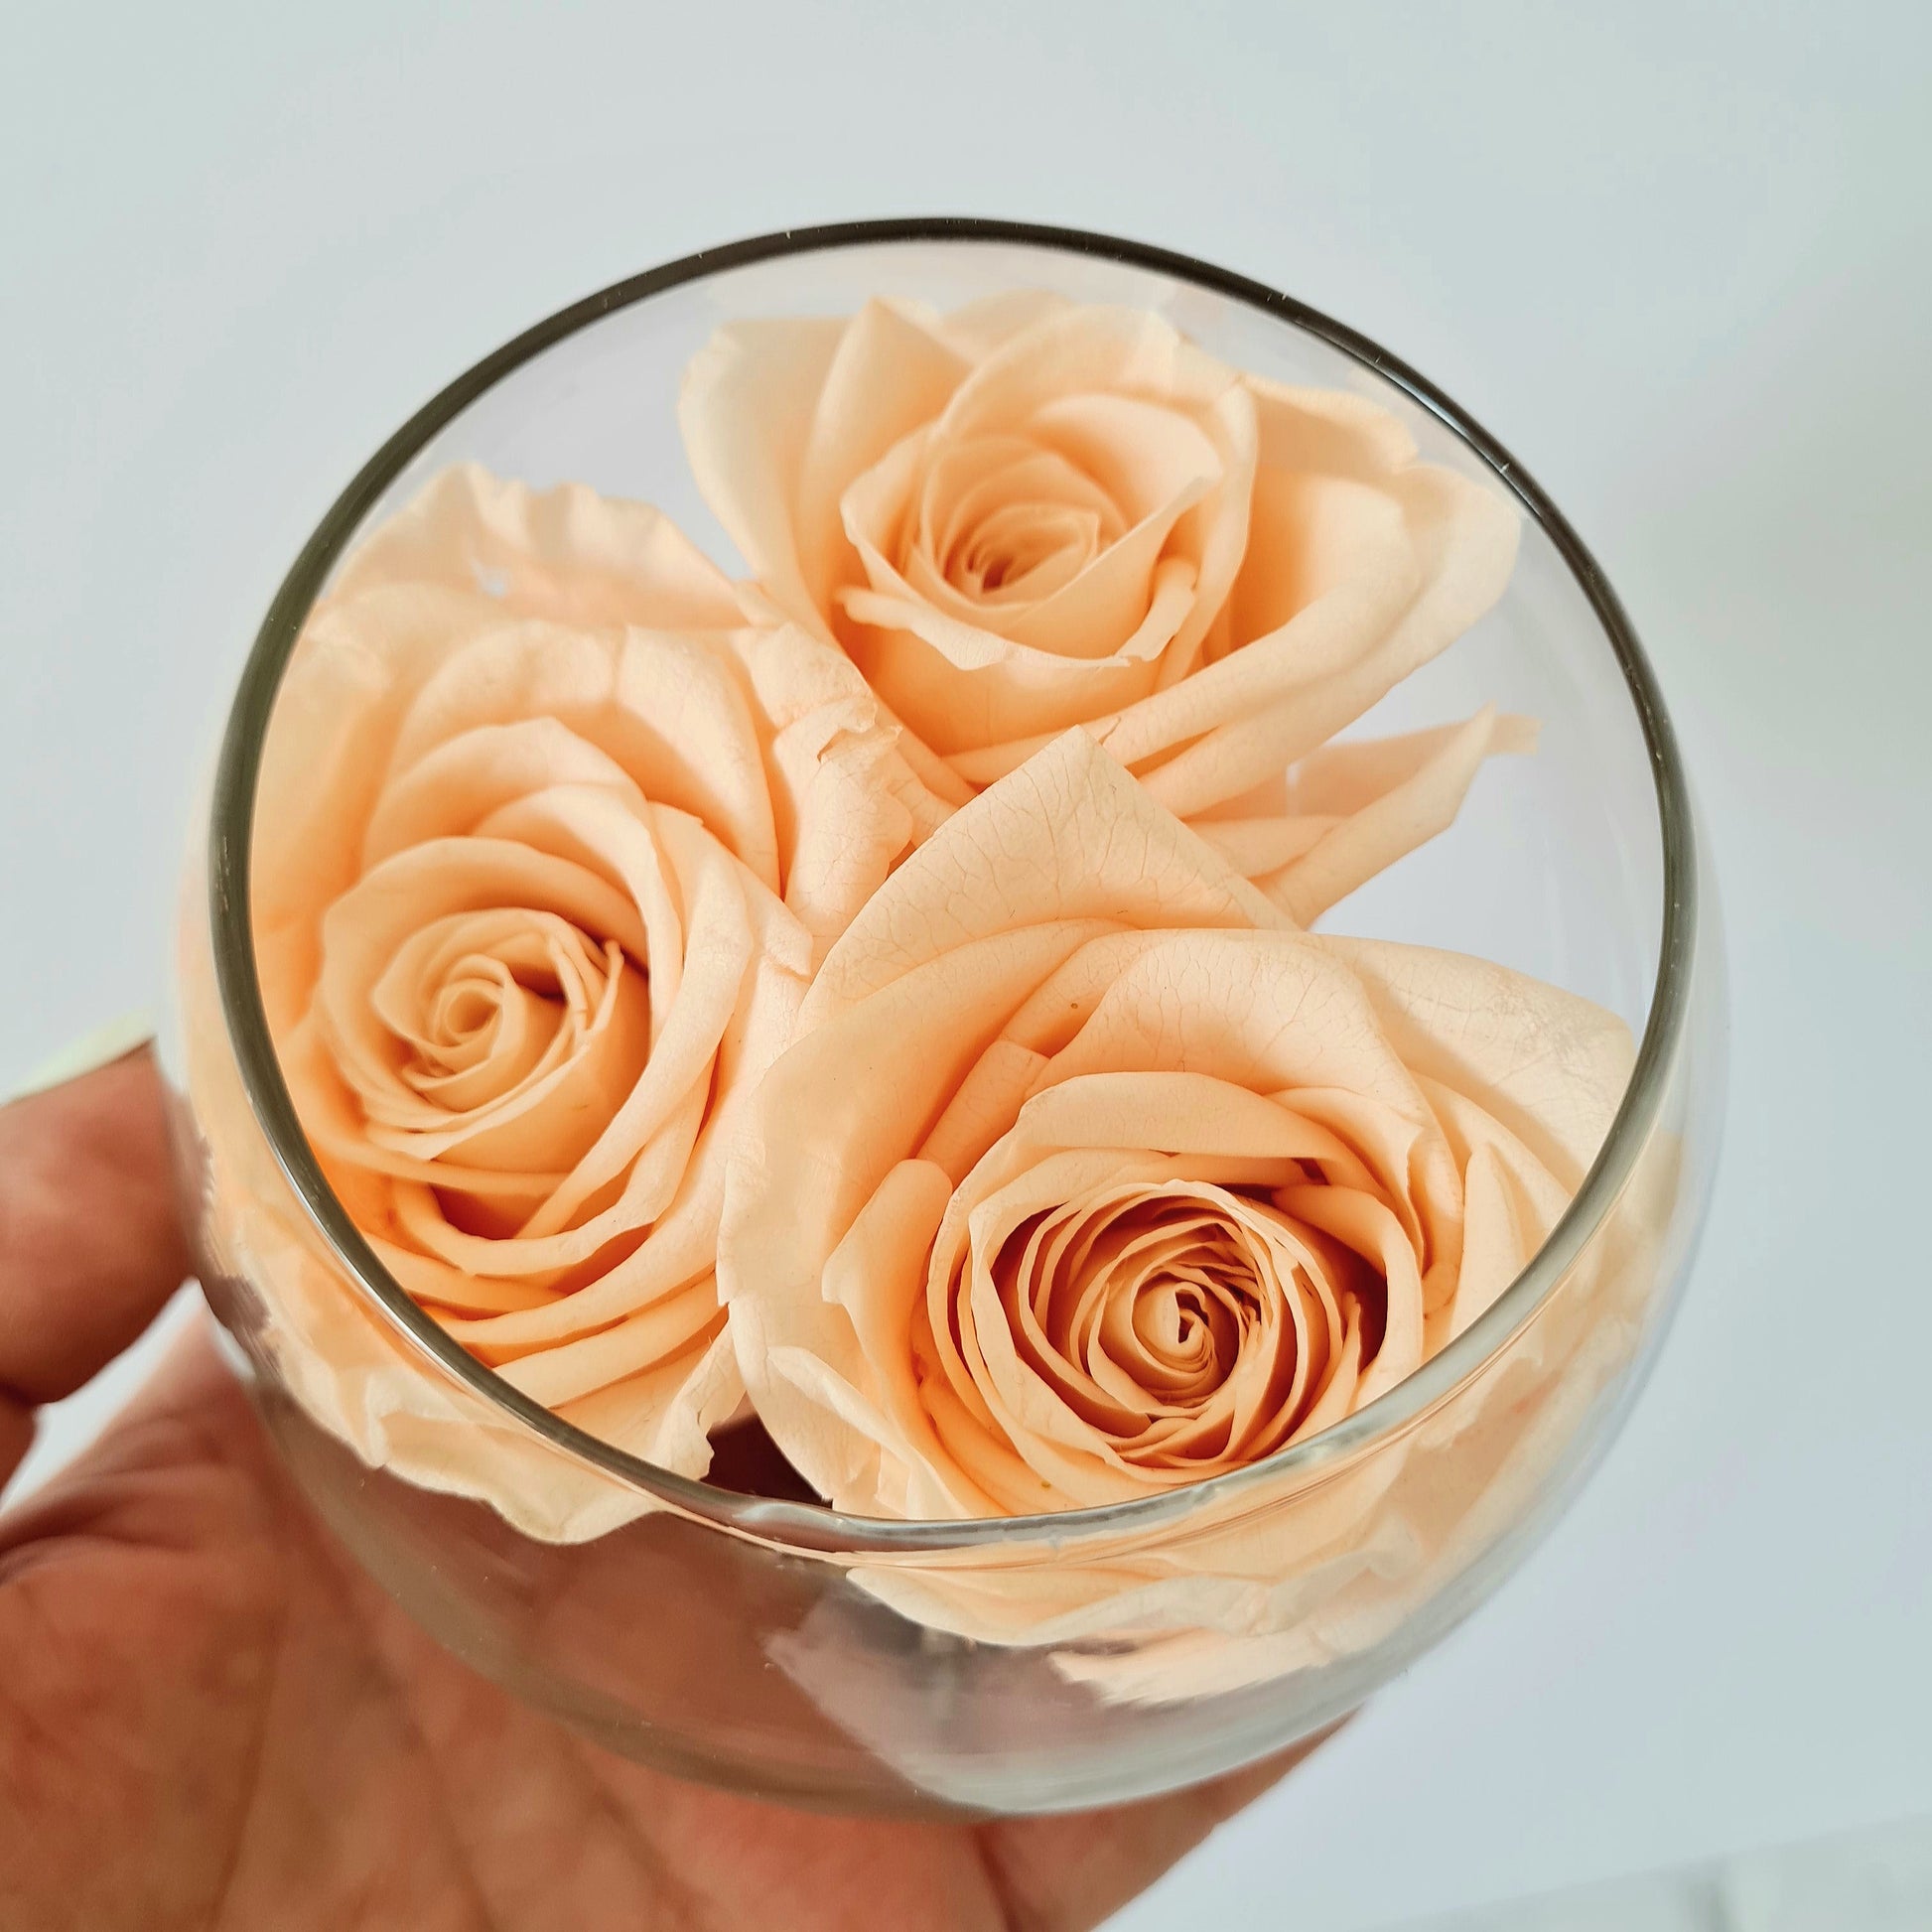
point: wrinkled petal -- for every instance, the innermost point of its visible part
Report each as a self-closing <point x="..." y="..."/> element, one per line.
<point x="566" y="555"/>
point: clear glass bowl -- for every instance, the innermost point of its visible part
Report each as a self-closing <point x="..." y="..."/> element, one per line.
<point x="747" y="1639"/>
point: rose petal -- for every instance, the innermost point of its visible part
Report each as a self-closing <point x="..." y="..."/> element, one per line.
<point x="668" y="711"/>
<point x="1070" y="837"/>
<point x="1371" y="833"/>
<point x="566" y="555"/>
<point x="1547" y="1066"/>
<point x="747" y="409"/>
<point x="889" y="372"/>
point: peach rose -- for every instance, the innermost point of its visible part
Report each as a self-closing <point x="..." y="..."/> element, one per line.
<point x="546" y="841"/>
<point x="1088" y="1176"/>
<point x="1029" y="514"/>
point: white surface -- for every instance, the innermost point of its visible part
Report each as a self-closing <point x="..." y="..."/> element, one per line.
<point x="1677" y="257"/>
<point x="1874" y="1881"/>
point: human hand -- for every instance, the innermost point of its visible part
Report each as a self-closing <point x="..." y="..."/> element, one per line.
<point x="211" y="1718"/>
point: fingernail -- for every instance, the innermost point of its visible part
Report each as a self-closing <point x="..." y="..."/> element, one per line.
<point x="114" y="1040"/>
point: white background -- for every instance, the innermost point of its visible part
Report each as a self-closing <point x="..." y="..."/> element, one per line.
<point x="1676" y="257"/>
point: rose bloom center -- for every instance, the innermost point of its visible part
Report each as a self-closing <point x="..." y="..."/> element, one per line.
<point x="1197" y="1322"/>
<point x="1011" y="519"/>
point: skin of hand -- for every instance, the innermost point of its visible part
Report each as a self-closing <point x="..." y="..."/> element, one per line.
<point x="209" y="1718"/>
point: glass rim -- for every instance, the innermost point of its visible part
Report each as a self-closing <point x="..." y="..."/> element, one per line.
<point x="817" y="1528"/>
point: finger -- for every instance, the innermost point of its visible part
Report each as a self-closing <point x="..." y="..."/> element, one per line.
<point x="1068" y="1874"/>
<point x="91" y="1242"/>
